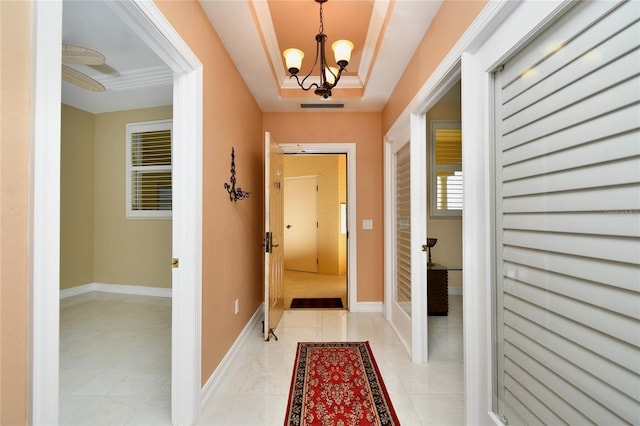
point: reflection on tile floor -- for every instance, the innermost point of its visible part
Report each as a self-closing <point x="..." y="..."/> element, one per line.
<point x="115" y="364"/>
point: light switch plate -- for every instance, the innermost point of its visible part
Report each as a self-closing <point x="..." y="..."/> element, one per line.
<point x="367" y="224"/>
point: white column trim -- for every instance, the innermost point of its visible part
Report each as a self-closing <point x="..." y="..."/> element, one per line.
<point x="44" y="250"/>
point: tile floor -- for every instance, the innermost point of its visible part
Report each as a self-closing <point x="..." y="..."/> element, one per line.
<point x="115" y="363"/>
<point x="305" y="284"/>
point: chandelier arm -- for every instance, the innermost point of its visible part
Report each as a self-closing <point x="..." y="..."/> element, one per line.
<point x="326" y="81"/>
<point x="319" y="43"/>
<point x="301" y="83"/>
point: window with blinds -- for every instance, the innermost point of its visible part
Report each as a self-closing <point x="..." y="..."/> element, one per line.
<point x="568" y="222"/>
<point x="149" y="187"/>
<point x="403" y="228"/>
<point x="446" y="168"/>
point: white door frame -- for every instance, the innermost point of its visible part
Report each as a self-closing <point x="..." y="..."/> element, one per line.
<point x="149" y="23"/>
<point x="414" y="133"/>
<point x="352" y="253"/>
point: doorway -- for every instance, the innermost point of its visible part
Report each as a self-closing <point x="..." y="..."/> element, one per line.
<point x="315" y="242"/>
<point x="45" y="228"/>
<point x="348" y="211"/>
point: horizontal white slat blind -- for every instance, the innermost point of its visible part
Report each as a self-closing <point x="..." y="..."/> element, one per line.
<point x="446" y="151"/>
<point x="403" y="228"/>
<point x="568" y="222"/>
<point x="149" y="169"/>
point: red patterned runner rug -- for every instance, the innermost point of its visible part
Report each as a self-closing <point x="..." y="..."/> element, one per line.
<point x="338" y="383"/>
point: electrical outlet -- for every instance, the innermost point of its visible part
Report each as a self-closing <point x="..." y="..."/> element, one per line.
<point x="237" y="306"/>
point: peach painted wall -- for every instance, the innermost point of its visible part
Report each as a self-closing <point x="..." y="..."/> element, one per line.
<point x="452" y="20"/>
<point x="232" y="255"/>
<point x="364" y="129"/>
<point x="15" y="66"/>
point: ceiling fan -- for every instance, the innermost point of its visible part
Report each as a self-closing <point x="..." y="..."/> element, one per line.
<point x="84" y="56"/>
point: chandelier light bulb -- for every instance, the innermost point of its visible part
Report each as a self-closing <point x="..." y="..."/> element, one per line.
<point x="342" y="51"/>
<point x="329" y="77"/>
<point x="293" y="58"/>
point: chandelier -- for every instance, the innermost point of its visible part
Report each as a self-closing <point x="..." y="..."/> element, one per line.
<point x="329" y="76"/>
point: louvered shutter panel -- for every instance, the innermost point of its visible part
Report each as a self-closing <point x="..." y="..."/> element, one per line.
<point x="403" y="228"/>
<point x="568" y="222"/>
<point x="149" y="169"/>
<point x="447" y="188"/>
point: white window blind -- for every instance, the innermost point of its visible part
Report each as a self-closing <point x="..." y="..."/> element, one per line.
<point x="568" y="222"/>
<point x="149" y="186"/>
<point x="446" y="168"/>
<point x="403" y="228"/>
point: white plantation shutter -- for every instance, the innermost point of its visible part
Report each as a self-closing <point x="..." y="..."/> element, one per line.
<point x="403" y="228"/>
<point x="568" y="222"/>
<point x="149" y="186"/>
<point x="446" y="166"/>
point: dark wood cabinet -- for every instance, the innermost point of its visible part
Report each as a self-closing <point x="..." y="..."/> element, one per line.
<point x="437" y="290"/>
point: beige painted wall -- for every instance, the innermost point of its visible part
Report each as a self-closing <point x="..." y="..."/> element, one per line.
<point x="15" y="70"/>
<point x="126" y="251"/>
<point x="76" y="197"/>
<point x="448" y="231"/>
<point x="232" y="254"/>
<point x="364" y="130"/>
<point x="327" y="168"/>
<point x="97" y="241"/>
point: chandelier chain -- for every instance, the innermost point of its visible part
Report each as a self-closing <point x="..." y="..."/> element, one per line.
<point x="321" y="29"/>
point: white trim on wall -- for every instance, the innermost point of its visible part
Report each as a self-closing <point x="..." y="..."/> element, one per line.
<point x="134" y="290"/>
<point x="221" y="370"/>
<point x="352" y="252"/>
<point x="44" y="220"/>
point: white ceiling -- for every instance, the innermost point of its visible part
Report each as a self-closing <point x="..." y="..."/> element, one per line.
<point x="394" y="31"/>
<point x="143" y="80"/>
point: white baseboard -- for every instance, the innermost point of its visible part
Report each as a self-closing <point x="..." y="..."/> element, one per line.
<point x="366" y="307"/>
<point x="137" y="290"/>
<point x="218" y="374"/>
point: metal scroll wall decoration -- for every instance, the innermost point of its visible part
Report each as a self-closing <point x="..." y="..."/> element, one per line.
<point x="235" y="194"/>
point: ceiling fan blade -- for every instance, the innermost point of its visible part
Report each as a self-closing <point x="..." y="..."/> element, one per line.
<point x="106" y="69"/>
<point x="80" y="79"/>
<point x="81" y="55"/>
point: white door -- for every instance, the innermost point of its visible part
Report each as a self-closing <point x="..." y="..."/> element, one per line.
<point x="567" y="185"/>
<point x="406" y="281"/>
<point x="301" y="223"/>
<point x="274" y="232"/>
